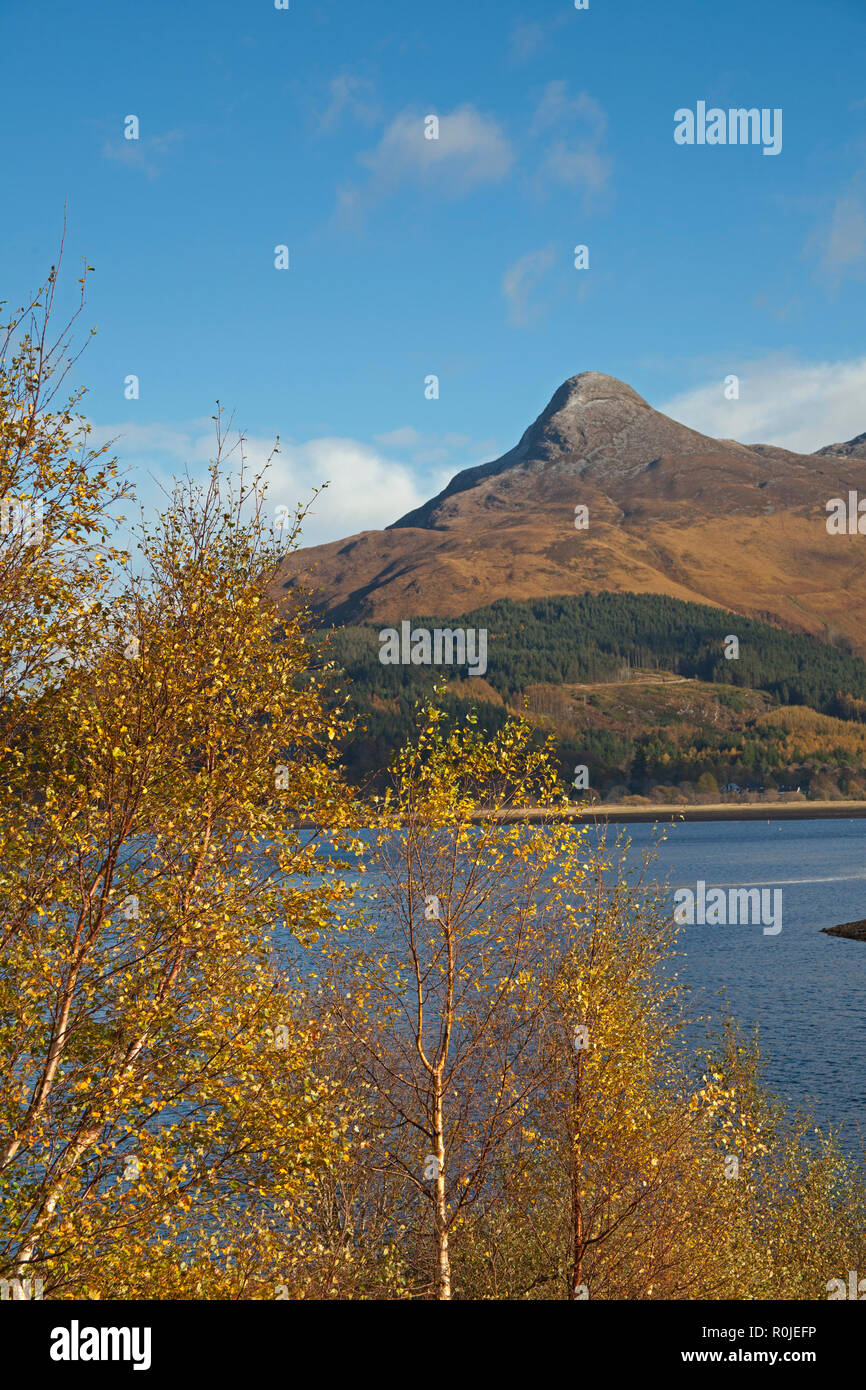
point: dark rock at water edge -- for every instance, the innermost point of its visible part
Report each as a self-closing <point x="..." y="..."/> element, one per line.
<point x="854" y="931"/>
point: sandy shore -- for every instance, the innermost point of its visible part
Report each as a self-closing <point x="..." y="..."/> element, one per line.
<point x="770" y="810"/>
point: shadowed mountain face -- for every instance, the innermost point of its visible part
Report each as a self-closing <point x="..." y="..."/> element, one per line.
<point x="671" y="511"/>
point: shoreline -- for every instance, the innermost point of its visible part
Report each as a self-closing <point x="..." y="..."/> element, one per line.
<point x="781" y="810"/>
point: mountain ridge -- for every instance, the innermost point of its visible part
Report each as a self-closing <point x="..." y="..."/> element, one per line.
<point x="587" y="421"/>
<point x="671" y="511"/>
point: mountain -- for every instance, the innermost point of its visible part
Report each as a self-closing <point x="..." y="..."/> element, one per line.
<point x="855" y="447"/>
<point x="671" y="511"/>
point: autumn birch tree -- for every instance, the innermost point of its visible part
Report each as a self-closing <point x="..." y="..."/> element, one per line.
<point x="437" y="995"/>
<point x="168" y="773"/>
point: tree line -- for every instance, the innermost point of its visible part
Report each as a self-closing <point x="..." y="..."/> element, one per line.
<point x="589" y="638"/>
<point x="601" y="637"/>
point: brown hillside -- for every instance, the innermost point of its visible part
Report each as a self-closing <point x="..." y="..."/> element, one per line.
<point x="671" y="511"/>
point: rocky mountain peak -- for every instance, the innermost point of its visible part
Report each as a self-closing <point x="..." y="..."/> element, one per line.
<point x="671" y="511"/>
<point x="583" y="390"/>
<point x="594" y="425"/>
<point x="581" y="414"/>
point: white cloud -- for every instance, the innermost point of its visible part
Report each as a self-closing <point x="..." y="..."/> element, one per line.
<point x="160" y="439"/>
<point x="520" y="281"/>
<point x="799" y="406"/>
<point x="471" y="149"/>
<point x="366" y="490"/>
<point x="565" y="147"/>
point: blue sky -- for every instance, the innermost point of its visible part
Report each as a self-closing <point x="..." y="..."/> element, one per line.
<point x="305" y="127"/>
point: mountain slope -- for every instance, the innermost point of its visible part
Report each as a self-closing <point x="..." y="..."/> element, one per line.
<point x="637" y="689"/>
<point x="671" y="511"/>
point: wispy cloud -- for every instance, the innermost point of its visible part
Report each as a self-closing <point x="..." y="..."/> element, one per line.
<point x="349" y="98"/>
<point x="449" y="451"/>
<point x="576" y="128"/>
<point x="845" y="245"/>
<point x="557" y="106"/>
<point x="797" y="405"/>
<point x="402" y="438"/>
<point x="525" y="40"/>
<point x="529" y="37"/>
<point x="142" y="154"/>
<point x="471" y="149"/>
<point x="520" y="282"/>
<point x="563" y="147"/>
<point x="836" y="245"/>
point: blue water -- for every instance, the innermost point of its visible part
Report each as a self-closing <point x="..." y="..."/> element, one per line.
<point x="806" y="991"/>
